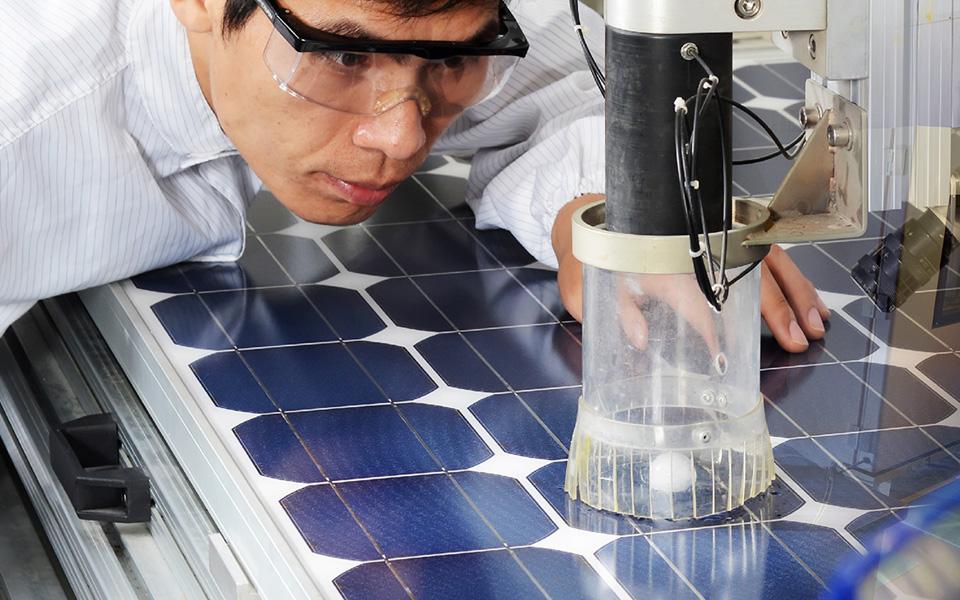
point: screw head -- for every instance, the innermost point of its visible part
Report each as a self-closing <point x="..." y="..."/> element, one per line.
<point x="812" y="46"/>
<point x="839" y="136"/>
<point x="704" y="437"/>
<point x="747" y="9"/>
<point x="689" y="51"/>
<point x="707" y="397"/>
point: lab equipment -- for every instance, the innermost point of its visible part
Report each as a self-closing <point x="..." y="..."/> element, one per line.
<point x="671" y="422"/>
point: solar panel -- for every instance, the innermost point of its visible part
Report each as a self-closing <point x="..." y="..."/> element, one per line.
<point x="413" y="384"/>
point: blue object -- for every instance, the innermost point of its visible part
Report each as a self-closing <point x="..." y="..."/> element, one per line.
<point x="895" y="542"/>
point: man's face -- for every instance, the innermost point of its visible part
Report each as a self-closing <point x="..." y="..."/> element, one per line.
<point x="324" y="165"/>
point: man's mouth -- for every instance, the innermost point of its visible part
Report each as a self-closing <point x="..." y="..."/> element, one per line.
<point x="368" y="193"/>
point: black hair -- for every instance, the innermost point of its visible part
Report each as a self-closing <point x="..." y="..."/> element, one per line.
<point x="237" y="12"/>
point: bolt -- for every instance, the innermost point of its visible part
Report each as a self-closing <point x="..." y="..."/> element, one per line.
<point x="747" y="9"/>
<point x="839" y="136"/>
<point x="809" y="116"/>
<point x="689" y="51"/>
<point x="812" y="45"/>
<point x="707" y="397"/>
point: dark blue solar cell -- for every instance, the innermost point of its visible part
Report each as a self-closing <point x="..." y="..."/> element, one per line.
<point x="868" y="525"/>
<point x="428" y="514"/>
<point x="359" y="253"/>
<point x="896" y="466"/>
<point x="448" y="435"/>
<point x="438" y="247"/>
<point x="948" y="437"/>
<point x="189" y="323"/>
<point x="266" y="213"/>
<point x="370" y="441"/>
<point x="275" y="450"/>
<point x="345" y="310"/>
<point x="936" y="311"/>
<point x="169" y="280"/>
<point x="409" y="202"/>
<point x="942" y="370"/>
<point x="302" y="377"/>
<point x="516" y="429"/>
<point x="823" y="272"/>
<point x="820" y="548"/>
<point x="641" y="571"/>
<point x="761" y="178"/>
<point x="301" y="258"/>
<point x="768" y="83"/>
<point x="407" y="306"/>
<point x="777" y="423"/>
<point x="794" y="72"/>
<point x="739" y="561"/>
<point x="564" y="576"/>
<point x="393" y="369"/>
<point x="827" y="399"/>
<point x="902" y="389"/>
<point x="894" y="329"/>
<point x="504" y="247"/>
<point x="506" y="506"/>
<point x="479" y="576"/>
<point x="450" y="191"/>
<point x="268" y="317"/>
<point x="230" y="384"/>
<point x="256" y="268"/>
<point x="531" y="357"/>
<point x="483" y="299"/>
<point x="542" y="283"/>
<point x="326" y="524"/>
<point x="458" y="364"/>
<point x="549" y="481"/>
<point x="820" y="476"/>
<point x="556" y="408"/>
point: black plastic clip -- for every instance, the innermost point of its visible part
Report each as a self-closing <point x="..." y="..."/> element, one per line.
<point x="85" y="454"/>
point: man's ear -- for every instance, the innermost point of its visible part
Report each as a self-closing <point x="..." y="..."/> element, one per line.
<point x="194" y="15"/>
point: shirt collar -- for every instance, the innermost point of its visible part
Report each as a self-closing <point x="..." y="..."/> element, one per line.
<point x="164" y="75"/>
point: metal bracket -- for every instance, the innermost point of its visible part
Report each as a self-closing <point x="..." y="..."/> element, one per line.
<point x="85" y="455"/>
<point x="823" y="196"/>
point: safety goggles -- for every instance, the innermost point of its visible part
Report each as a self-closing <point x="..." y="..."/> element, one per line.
<point x="370" y="77"/>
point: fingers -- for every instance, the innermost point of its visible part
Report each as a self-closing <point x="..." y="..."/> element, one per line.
<point x="570" y="283"/>
<point x="779" y="315"/>
<point x="809" y="310"/>
<point x="631" y="316"/>
<point x="683" y="295"/>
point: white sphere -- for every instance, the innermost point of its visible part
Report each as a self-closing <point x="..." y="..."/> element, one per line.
<point x="670" y="472"/>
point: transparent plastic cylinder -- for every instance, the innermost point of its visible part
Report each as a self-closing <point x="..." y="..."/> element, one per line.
<point x="671" y="422"/>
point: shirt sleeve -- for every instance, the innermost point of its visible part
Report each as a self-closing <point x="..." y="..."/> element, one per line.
<point x="539" y="143"/>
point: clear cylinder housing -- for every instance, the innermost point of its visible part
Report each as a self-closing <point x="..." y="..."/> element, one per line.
<point x="671" y="421"/>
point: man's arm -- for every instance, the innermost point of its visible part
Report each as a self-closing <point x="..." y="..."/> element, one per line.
<point x="789" y="303"/>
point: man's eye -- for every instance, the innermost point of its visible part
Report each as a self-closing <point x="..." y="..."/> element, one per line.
<point x="350" y="59"/>
<point x="454" y="62"/>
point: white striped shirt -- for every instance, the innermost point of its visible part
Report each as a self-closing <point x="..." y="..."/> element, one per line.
<point x="112" y="163"/>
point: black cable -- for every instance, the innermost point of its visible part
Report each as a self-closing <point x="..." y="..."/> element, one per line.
<point x="744" y="273"/>
<point x="595" y="70"/>
<point x="759" y="159"/>
<point x="773" y="136"/>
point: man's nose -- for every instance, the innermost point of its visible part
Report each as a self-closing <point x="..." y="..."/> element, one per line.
<point x="398" y="132"/>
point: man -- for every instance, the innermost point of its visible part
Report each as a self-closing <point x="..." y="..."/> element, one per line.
<point x="133" y="134"/>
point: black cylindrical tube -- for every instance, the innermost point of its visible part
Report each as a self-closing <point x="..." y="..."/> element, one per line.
<point x="645" y="73"/>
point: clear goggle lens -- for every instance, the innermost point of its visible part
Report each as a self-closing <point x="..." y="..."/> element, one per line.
<point x="372" y="83"/>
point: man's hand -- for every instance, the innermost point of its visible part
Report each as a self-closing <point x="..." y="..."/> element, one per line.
<point x="789" y="303"/>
